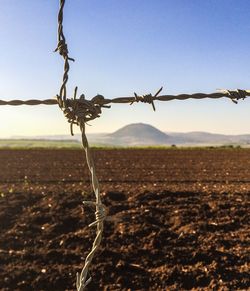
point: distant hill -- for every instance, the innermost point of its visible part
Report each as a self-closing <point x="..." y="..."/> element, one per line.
<point x="139" y="134"/>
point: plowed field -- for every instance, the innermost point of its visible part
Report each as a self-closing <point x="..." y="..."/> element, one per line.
<point x="177" y="219"/>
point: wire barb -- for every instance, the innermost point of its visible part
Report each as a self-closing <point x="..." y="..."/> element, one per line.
<point x="62" y="49"/>
<point x="148" y="98"/>
<point x="80" y="286"/>
<point x="236" y="95"/>
<point x="100" y="213"/>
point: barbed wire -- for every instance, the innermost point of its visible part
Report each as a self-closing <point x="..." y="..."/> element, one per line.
<point x="62" y="49"/>
<point x="234" y="95"/>
<point x="29" y="102"/>
<point x="79" y="111"/>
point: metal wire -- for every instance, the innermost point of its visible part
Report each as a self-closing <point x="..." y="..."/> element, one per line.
<point x="234" y="95"/>
<point x="79" y="111"/>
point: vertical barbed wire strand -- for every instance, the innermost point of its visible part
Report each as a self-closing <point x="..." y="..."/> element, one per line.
<point x="82" y="281"/>
<point x="62" y="48"/>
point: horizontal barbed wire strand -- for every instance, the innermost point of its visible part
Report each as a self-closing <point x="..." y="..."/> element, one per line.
<point x="29" y="102"/>
<point x="121" y="100"/>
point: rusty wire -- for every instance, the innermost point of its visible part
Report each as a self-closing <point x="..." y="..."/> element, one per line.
<point x="62" y="49"/>
<point x="234" y="95"/>
<point x="79" y="110"/>
<point x="100" y="101"/>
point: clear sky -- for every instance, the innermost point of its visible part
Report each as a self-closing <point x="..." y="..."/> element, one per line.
<point x="121" y="47"/>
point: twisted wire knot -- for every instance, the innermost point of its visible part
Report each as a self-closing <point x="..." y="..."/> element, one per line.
<point x="80" y="111"/>
<point x="148" y="98"/>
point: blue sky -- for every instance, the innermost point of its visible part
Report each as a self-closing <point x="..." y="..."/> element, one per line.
<point x="126" y="46"/>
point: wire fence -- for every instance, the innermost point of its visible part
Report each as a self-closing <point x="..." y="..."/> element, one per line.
<point x="79" y="110"/>
<point x="234" y="95"/>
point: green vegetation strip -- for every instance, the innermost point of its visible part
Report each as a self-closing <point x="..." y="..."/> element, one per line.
<point x="30" y="144"/>
<point x="73" y="144"/>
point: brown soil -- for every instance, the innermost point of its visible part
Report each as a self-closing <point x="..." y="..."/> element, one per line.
<point x="178" y="219"/>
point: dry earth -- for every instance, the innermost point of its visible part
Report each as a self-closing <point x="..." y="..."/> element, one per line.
<point x="178" y="219"/>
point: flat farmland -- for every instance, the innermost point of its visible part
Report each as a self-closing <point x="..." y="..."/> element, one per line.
<point x="178" y="219"/>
